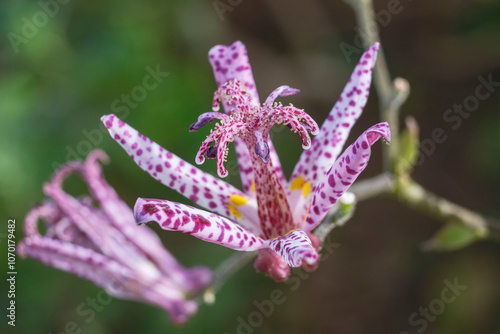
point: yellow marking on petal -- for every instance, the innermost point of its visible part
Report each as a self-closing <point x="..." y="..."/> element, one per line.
<point x="234" y="211"/>
<point x="307" y="189"/>
<point x="291" y="231"/>
<point x="238" y="199"/>
<point x="253" y="186"/>
<point x="297" y="183"/>
<point x="300" y="183"/>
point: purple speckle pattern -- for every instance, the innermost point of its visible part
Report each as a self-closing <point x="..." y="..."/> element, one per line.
<point x="343" y="173"/>
<point x="204" y="225"/>
<point x="333" y="134"/>
<point x="231" y="62"/>
<point x="103" y="244"/>
<point x="177" y="174"/>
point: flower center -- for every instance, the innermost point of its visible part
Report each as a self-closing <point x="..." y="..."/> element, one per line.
<point x="252" y="124"/>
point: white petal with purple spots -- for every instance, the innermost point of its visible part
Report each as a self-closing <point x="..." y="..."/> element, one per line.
<point x="203" y="225"/>
<point x="343" y="173"/>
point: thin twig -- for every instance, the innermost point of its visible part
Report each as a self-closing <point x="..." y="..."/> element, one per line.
<point x="415" y="196"/>
<point x="401" y="91"/>
<point x="372" y="187"/>
<point x="365" y="18"/>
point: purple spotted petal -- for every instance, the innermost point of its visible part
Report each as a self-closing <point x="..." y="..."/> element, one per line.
<point x="206" y="226"/>
<point x="295" y="248"/>
<point x="343" y="173"/>
<point x="200" y="187"/>
<point x="328" y="144"/>
<point x="231" y="62"/>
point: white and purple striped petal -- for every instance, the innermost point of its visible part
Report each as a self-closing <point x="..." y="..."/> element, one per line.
<point x="92" y="222"/>
<point x="295" y="248"/>
<point x="343" y="173"/>
<point x="203" y="225"/>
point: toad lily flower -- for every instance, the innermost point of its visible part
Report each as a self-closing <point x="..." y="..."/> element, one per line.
<point x="272" y="215"/>
<point x="105" y="246"/>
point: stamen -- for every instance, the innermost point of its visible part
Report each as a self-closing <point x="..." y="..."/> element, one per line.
<point x="281" y="91"/>
<point x="200" y="123"/>
<point x="212" y="152"/>
<point x="249" y="122"/>
<point x="261" y="147"/>
<point x="233" y="93"/>
<point x="206" y="118"/>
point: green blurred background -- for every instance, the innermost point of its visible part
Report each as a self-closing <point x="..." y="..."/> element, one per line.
<point x="56" y="83"/>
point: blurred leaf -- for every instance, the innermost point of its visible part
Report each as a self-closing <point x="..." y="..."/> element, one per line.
<point x="452" y="236"/>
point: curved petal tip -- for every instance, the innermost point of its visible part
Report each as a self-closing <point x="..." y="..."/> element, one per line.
<point x="378" y="130"/>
